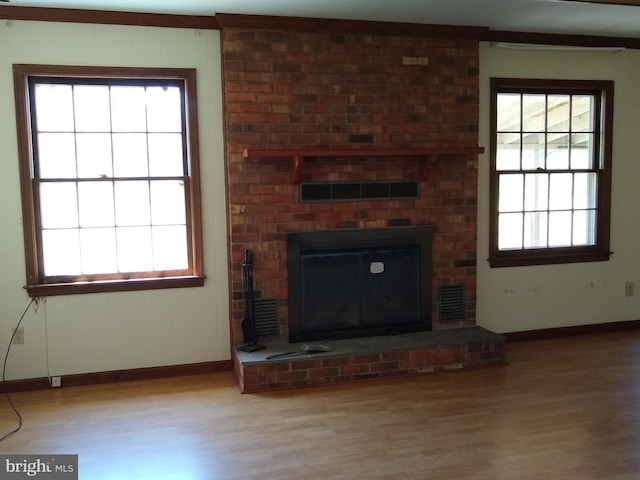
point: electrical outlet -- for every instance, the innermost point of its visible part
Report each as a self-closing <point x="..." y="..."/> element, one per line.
<point x="629" y="289"/>
<point x="56" y="381"/>
<point x="18" y="335"/>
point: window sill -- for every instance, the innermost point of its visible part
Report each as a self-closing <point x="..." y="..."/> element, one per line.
<point x="51" y="289"/>
<point x="517" y="259"/>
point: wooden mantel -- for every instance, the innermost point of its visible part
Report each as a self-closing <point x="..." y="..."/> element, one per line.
<point x="297" y="157"/>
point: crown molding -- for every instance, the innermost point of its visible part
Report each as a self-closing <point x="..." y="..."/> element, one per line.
<point x="304" y="24"/>
<point x="107" y="17"/>
<point x="590" y="41"/>
<point x="626" y="3"/>
<point x="225" y="20"/>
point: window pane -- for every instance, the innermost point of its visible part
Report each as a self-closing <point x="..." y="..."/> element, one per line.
<point x="130" y="155"/>
<point x="507" y="159"/>
<point x="508" y="112"/>
<point x="132" y="203"/>
<point x="508" y="151"/>
<point x="533" y="113"/>
<point x="94" y="155"/>
<point x="61" y="252"/>
<point x="584" y="227"/>
<point x="54" y="108"/>
<point x="535" y="230"/>
<point x="582" y="150"/>
<point x="536" y="191"/>
<point x="98" y="250"/>
<point x="560" y="191"/>
<point x="134" y="249"/>
<point x="56" y="155"/>
<point x="558" y="113"/>
<point x="91" y="103"/>
<point x="510" y="231"/>
<point x="584" y="190"/>
<point x="164" y="109"/>
<point x="170" y="248"/>
<point x="511" y="193"/>
<point x="128" y="109"/>
<point x="96" y="204"/>
<point x="168" y="203"/>
<point x="557" y="151"/>
<point x="582" y="115"/>
<point x="559" y="229"/>
<point x="165" y="155"/>
<point x="58" y="205"/>
<point x="533" y="151"/>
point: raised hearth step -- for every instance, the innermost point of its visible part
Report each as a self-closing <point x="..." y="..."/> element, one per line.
<point x="369" y="357"/>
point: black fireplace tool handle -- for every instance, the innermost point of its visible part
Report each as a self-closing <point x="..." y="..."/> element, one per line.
<point x="249" y="332"/>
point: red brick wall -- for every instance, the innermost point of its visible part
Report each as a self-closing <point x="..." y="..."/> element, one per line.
<point x="286" y="89"/>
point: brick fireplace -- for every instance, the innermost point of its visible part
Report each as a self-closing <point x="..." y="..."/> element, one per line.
<point x="354" y="94"/>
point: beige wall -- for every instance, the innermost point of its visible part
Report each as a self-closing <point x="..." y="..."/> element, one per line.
<point x="101" y="332"/>
<point x="529" y="298"/>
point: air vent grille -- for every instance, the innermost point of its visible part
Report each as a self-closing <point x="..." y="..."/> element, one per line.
<point x="265" y="313"/>
<point x="452" y="303"/>
<point x="326" y="192"/>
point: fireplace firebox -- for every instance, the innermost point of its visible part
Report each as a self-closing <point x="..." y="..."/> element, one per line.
<point x="359" y="283"/>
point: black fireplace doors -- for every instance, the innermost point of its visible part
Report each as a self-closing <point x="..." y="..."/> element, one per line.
<point x="355" y="283"/>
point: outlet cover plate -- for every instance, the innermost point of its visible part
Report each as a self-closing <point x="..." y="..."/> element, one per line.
<point x="18" y="335"/>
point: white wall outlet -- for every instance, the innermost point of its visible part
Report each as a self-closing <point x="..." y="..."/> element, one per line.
<point x="629" y="289"/>
<point x="18" y="335"/>
<point x="55" y="381"/>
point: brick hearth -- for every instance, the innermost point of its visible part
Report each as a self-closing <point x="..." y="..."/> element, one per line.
<point x="369" y="358"/>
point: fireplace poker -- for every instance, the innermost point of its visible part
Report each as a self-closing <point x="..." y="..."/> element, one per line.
<point x="302" y="350"/>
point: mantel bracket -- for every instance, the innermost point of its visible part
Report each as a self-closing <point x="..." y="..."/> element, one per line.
<point x="427" y="166"/>
<point x="297" y="163"/>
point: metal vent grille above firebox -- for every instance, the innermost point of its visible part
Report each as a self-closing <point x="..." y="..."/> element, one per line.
<point x="334" y="191"/>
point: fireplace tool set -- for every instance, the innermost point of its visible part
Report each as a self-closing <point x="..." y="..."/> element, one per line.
<point x="249" y="331"/>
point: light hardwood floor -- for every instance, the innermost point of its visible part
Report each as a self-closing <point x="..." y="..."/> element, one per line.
<point x="565" y="409"/>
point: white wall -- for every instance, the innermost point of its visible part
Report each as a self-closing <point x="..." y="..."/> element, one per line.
<point x="528" y="298"/>
<point x="102" y="332"/>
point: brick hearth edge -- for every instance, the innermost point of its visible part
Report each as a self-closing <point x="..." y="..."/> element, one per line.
<point x="370" y="358"/>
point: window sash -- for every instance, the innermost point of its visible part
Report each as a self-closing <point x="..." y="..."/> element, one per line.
<point x="79" y="228"/>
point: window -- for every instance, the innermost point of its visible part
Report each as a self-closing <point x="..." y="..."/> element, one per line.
<point x="109" y="178"/>
<point x="550" y="171"/>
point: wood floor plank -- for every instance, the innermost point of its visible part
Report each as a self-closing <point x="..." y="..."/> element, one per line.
<point x="562" y="409"/>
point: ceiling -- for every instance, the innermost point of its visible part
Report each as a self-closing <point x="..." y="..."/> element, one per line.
<point x="539" y="16"/>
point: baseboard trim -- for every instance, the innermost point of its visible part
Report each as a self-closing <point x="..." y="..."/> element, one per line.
<point x="549" y="333"/>
<point x="114" y="376"/>
<point x="150" y="373"/>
